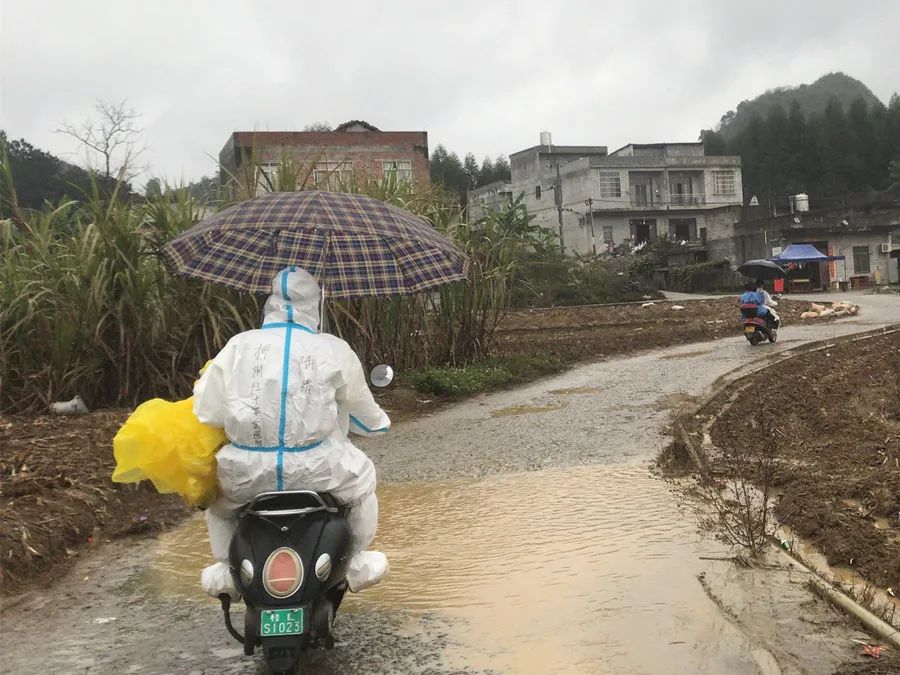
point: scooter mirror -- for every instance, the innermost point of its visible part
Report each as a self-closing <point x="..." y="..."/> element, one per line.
<point x="382" y="375"/>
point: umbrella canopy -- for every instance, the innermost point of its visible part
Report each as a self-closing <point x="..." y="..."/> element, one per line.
<point x="761" y="269"/>
<point x="353" y="244"/>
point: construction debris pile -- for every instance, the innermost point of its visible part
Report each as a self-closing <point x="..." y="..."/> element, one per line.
<point x="837" y="310"/>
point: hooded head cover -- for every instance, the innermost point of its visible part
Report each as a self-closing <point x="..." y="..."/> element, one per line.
<point x="295" y="298"/>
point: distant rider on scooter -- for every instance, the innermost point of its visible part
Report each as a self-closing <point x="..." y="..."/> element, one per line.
<point x="755" y="294"/>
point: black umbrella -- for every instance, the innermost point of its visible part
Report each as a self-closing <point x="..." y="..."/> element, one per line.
<point x="761" y="269"/>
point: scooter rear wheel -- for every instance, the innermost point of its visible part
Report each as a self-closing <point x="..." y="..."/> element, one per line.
<point x="293" y="671"/>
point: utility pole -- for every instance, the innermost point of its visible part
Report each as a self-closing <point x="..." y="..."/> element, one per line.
<point x="559" y="210"/>
<point x="590" y="204"/>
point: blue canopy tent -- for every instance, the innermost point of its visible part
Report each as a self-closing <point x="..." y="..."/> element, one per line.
<point x="803" y="253"/>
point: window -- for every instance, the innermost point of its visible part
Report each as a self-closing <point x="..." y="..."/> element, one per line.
<point x="861" y="264"/>
<point x="401" y="169"/>
<point x="610" y="185"/>
<point x="607" y="234"/>
<point x="267" y="177"/>
<point x="537" y="191"/>
<point x="723" y="182"/>
<point x="332" y="175"/>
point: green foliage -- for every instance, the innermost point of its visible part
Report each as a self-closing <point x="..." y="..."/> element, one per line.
<point x="458" y="177"/>
<point x="651" y="257"/>
<point x="470" y="166"/>
<point x="560" y="281"/>
<point x="809" y="98"/>
<point x="482" y="375"/>
<point x="87" y="307"/>
<point x="715" y="275"/>
<point x="204" y="191"/>
<point x="894" y="177"/>
<point x="456" y="323"/>
<point x="595" y="282"/>
<point x="837" y="152"/>
<point x="41" y="178"/>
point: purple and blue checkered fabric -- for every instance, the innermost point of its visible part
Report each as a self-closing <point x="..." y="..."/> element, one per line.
<point x="353" y="244"/>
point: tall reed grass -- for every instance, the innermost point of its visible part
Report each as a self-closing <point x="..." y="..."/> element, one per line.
<point x="87" y="306"/>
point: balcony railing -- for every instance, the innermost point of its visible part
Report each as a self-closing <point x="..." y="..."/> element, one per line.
<point x="687" y="200"/>
<point x="646" y="201"/>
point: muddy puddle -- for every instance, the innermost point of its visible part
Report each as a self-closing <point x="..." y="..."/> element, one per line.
<point x="525" y="410"/>
<point x="685" y="355"/>
<point x="572" y="391"/>
<point x="584" y="570"/>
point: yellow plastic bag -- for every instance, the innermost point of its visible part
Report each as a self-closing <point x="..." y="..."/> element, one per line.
<point x="165" y="443"/>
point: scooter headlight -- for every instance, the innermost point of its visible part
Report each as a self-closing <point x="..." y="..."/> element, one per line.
<point x="283" y="573"/>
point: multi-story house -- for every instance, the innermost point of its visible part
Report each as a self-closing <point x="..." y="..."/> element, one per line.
<point x="326" y="159"/>
<point x="634" y="195"/>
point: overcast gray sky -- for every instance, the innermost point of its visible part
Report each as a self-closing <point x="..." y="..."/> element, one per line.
<point x="485" y="76"/>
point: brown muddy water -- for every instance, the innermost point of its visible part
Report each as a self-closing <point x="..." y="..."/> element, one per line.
<point x="884" y="603"/>
<point x="576" y="570"/>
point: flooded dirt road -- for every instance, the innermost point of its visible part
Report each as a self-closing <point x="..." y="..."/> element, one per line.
<point x="526" y="535"/>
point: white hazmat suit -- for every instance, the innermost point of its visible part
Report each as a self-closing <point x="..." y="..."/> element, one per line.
<point x="287" y="398"/>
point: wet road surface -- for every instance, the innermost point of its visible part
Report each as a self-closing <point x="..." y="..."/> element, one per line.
<point x="525" y="535"/>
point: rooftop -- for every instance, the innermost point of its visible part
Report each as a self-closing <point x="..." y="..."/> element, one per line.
<point x="692" y="148"/>
<point x="677" y="161"/>
<point x="351" y="136"/>
<point x="563" y="150"/>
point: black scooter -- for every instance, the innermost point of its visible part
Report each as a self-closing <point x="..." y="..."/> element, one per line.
<point x="289" y="559"/>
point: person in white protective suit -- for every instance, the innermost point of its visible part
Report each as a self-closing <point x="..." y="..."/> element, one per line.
<point x="287" y="398"/>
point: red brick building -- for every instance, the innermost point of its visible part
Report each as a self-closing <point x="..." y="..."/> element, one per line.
<point x="327" y="158"/>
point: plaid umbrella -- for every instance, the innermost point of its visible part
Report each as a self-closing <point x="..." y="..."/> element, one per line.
<point x="353" y="244"/>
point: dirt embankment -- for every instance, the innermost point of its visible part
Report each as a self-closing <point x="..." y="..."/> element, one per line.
<point x="581" y="333"/>
<point x="56" y="497"/>
<point x="834" y="417"/>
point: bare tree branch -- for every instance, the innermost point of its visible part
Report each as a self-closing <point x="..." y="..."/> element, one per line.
<point x="111" y="141"/>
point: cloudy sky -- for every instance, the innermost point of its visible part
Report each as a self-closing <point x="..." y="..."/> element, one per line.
<point x="484" y="76"/>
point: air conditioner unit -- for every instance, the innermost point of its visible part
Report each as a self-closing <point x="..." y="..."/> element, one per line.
<point x="885" y="248"/>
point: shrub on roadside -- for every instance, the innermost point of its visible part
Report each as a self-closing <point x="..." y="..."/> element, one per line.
<point x="483" y="375"/>
<point x="555" y="281"/>
<point x="715" y="275"/>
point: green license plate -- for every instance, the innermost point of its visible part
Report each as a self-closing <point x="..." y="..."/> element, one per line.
<point x="273" y="622"/>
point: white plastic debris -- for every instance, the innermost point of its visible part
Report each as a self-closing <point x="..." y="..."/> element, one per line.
<point x="74" y="407"/>
<point x="648" y="304"/>
<point x="105" y="619"/>
<point x="677" y="308"/>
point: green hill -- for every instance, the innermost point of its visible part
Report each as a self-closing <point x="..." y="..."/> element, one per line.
<point x="811" y="97"/>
